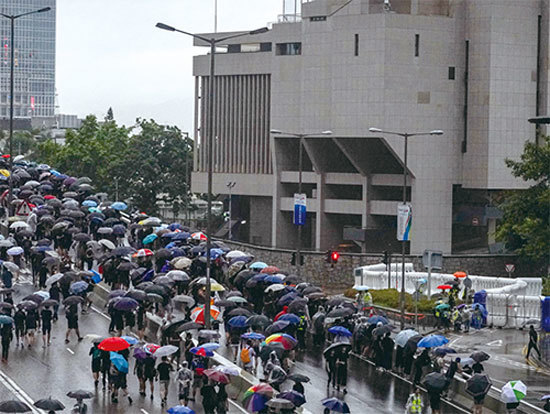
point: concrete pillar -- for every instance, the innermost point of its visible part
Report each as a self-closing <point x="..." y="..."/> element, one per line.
<point x="320" y="214"/>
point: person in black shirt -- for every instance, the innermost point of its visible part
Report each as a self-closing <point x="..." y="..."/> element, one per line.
<point x="30" y="326"/>
<point x="46" y="315"/>
<point x="533" y="339"/>
<point x="55" y="294"/>
<point x="7" y="335"/>
<point x="19" y="319"/>
<point x="163" y="370"/>
<point x="72" y="322"/>
<point x="149" y="373"/>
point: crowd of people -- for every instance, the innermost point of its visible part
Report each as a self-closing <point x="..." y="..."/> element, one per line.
<point x="74" y="239"/>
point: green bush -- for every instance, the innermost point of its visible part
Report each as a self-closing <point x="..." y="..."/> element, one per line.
<point x="546" y="286"/>
<point x="389" y="298"/>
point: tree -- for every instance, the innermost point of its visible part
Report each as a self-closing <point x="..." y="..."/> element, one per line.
<point x="525" y="227"/>
<point x="23" y="143"/>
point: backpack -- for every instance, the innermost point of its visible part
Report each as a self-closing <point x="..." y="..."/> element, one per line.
<point x="245" y="356"/>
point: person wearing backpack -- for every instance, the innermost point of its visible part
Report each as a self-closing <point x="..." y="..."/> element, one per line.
<point x="247" y="356"/>
<point x="95" y="352"/>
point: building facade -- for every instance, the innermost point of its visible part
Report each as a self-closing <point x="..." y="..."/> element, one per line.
<point x="34" y="59"/>
<point x="476" y="69"/>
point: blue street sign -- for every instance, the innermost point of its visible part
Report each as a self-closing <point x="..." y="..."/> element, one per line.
<point x="299" y="209"/>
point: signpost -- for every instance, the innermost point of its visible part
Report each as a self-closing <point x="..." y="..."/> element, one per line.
<point x="24" y="209"/>
<point x="404" y="220"/>
<point x="432" y="259"/>
<point x="510" y="268"/>
<point x="299" y="209"/>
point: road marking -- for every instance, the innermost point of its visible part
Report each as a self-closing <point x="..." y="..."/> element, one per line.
<point x="21" y="395"/>
<point x="70" y="350"/>
<point x="498" y="342"/>
<point x="237" y="405"/>
<point x="144" y="412"/>
<point x="100" y="312"/>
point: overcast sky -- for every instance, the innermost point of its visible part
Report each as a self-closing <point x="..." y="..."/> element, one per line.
<point x="110" y="54"/>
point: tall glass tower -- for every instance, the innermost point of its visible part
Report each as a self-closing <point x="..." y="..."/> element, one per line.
<point x="34" y="48"/>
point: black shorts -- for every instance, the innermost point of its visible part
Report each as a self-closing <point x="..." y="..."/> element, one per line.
<point x="72" y="323"/>
<point x="19" y="330"/>
<point x="46" y="329"/>
<point x="96" y="365"/>
<point x="435" y="402"/>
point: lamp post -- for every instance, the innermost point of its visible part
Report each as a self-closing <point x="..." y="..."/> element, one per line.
<point x="230" y="185"/>
<point x="212" y="41"/>
<point x="186" y="168"/>
<point x="12" y="19"/>
<point x="300" y="152"/>
<point x="406" y="137"/>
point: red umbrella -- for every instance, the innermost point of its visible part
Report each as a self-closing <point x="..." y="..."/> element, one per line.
<point x="217" y="376"/>
<point x="143" y="253"/>
<point x="460" y="274"/>
<point x="49" y="197"/>
<point x="270" y="269"/>
<point x="443" y="287"/>
<point x="113" y="344"/>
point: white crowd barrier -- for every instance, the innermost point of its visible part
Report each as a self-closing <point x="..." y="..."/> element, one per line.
<point x="510" y="302"/>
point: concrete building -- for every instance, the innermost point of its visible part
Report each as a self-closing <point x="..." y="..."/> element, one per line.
<point x="476" y="69"/>
<point x="34" y="59"/>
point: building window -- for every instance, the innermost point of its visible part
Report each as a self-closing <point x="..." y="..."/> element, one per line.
<point x="288" y="49"/>
<point x="356" y="46"/>
<point x="233" y="48"/>
<point x="265" y="47"/>
<point x="451" y="73"/>
<point x="416" y="45"/>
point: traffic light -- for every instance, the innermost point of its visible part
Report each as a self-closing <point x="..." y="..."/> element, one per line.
<point x="328" y="256"/>
<point x="334" y="257"/>
<point x="293" y="259"/>
<point x="385" y="259"/>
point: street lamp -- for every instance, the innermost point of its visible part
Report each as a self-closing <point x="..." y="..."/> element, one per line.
<point x="12" y="19"/>
<point x="300" y="151"/>
<point x="212" y="41"/>
<point x="230" y="185"/>
<point x="406" y="137"/>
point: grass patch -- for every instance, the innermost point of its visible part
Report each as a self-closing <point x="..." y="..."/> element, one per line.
<point x="389" y="298"/>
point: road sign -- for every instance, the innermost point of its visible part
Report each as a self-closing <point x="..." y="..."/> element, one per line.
<point x="404" y="219"/>
<point x="433" y="259"/>
<point x="299" y="209"/>
<point x="510" y="268"/>
<point x="24" y="209"/>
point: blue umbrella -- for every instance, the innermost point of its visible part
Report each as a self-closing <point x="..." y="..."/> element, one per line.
<point x="253" y="335"/>
<point x="130" y="339"/>
<point x="545" y="397"/>
<point x="175" y="226"/>
<point x="150" y="238"/>
<point x="238" y="322"/>
<point x="41" y="249"/>
<point x="432" y="341"/>
<point x="378" y="318"/>
<point x="211" y="346"/>
<point x="78" y="287"/>
<point x="215" y="253"/>
<point x="15" y="251"/>
<point x="119" y="362"/>
<point x="273" y="279"/>
<point x="119" y="205"/>
<point x="334" y="404"/>
<point x="168" y="235"/>
<point x="258" y="265"/>
<point x="180" y="409"/>
<point x="340" y="331"/>
<point x="181" y="236"/>
<point x="119" y="230"/>
<point x="126" y="304"/>
<point x="275" y="327"/>
<point x="286" y="299"/>
<point x="290" y="318"/>
<point x="480" y="307"/>
<point x="89" y="203"/>
<point x="294" y="397"/>
<point x="6" y="320"/>
<point x="199" y="350"/>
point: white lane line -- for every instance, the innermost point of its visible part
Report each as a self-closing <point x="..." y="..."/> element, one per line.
<point x="241" y="409"/>
<point x="101" y="313"/>
<point x="18" y="392"/>
<point x="70" y="350"/>
<point x="144" y="412"/>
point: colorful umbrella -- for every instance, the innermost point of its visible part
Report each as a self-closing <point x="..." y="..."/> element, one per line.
<point x="199" y="236"/>
<point x="294" y="397"/>
<point x="513" y="391"/>
<point x="197" y="314"/>
<point x="151" y="348"/>
<point x="114" y="344"/>
<point x="286" y="340"/>
<point x="444" y="287"/>
<point x="200" y="351"/>
<point x="256" y="397"/>
<point x="432" y="341"/>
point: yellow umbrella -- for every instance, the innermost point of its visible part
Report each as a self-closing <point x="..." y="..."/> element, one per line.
<point x="5" y="173"/>
<point x="216" y="287"/>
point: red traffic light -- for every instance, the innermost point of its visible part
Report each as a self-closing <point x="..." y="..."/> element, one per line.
<point x="335" y="256"/>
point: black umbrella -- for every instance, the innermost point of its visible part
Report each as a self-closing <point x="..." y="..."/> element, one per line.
<point x="298" y="378"/>
<point x="276" y="347"/>
<point x="311" y="289"/>
<point x="49" y="404"/>
<point x="478" y="385"/>
<point x="239" y="312"/>
<point x="6" y="305"/>
<point x="126" y="266"/>
<point x="50" y="261"/>
<point x="80" y="394"/>
<point x="35" y="298"/>
<point x="297" y="306"/>
<point x="153" y="297"/>
<point x="157" y="290"/>
<point x="412" y="343"/>
<point x="224" y="303"/>
<point x="49" y="302"/>
<point x="209" y="334"/>
<point x="189" y="326"/>
<point x="122" y="251"/>
<point x="233" y="293"/>
<point x="339" y="347"/>
<point x="82" y="237"/>
<point x="28" y="304"/>
<point x="340" y="313"/>
<point x="436" y="381"/>
<point x="480" y="356"/>
<point x="163" y="254"/>
<point x="73" y="300"/>
<point x="336" y="301"/>
<point x="381" y="330"/>
<point x="25" y="233"/>
<point x="275" y="327"/>
<point x="258" y="320"/>
<point x="13" y="406"/>
<point x="137" y="294"/>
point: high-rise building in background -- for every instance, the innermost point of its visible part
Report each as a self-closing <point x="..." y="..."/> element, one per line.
<point x="34" y="60"/>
